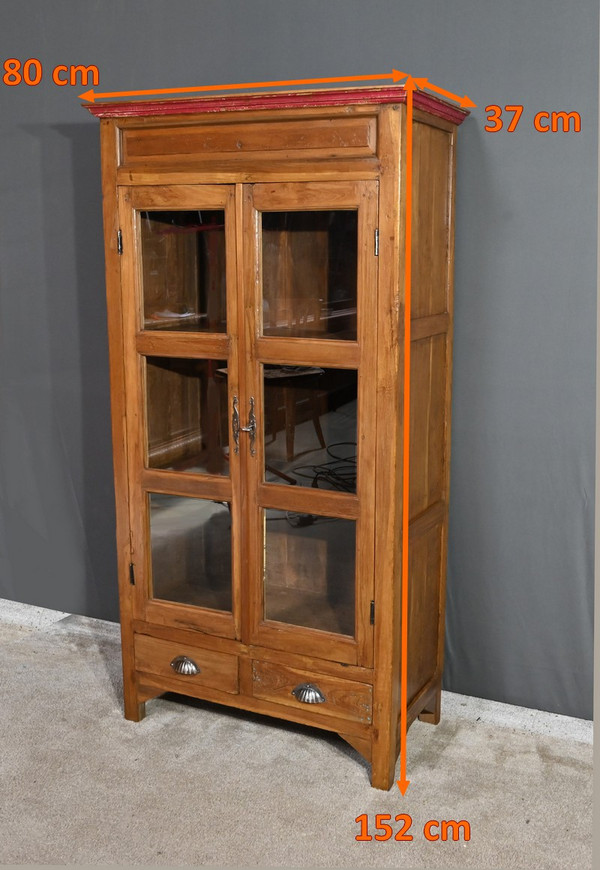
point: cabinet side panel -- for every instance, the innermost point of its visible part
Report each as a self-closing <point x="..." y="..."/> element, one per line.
<point x="431" y="368"/>
<point x="428" y="376"/>
<point x="424" y="563"/>
<point x="432" y="155"/>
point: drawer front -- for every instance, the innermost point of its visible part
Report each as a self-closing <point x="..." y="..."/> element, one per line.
<point x="315" y="693"/>
<point x="189" y="664"/>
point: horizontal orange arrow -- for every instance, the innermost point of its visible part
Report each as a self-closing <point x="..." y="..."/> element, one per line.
<point x="465" y="101"/>
<point x="90" y="96"/>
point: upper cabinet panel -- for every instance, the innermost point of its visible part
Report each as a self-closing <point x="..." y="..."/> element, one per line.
<point x="300" y="137"/>
<point x="432" y="220"/>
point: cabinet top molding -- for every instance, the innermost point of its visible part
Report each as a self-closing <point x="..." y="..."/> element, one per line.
<point x="279" y="100"/>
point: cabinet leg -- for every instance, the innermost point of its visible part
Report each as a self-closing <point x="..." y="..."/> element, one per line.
<point x="134" y="709"/>
<point x="433" y="708"/>
<point x="135" y="712"/>
<point x="383" y="767"/>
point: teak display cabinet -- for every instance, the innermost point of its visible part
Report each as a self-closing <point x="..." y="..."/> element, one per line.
<point x="255" y="267"/>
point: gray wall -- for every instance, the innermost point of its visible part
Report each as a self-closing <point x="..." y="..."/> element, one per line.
<point x="520" y="574"/>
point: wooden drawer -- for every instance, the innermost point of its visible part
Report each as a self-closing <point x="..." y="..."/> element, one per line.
<point x="215" y="669"/>
<point x="345" y="699"/>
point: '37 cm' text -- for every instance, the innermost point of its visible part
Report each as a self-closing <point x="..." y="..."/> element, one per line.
<point x="543" y="122"/>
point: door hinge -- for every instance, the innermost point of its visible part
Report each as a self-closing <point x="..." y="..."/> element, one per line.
<point x="132" y="573"/>
<point x="119" y="242"/>
<point x="372" y="613"/>
<point x="376" y="243"/>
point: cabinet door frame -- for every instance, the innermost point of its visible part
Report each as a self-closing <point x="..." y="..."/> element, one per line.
<point x="139" y="343"/>
<point x="245" y="349"/>
<point x="361" y="196"/>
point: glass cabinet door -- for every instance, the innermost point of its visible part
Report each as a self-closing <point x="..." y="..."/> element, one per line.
<point x="179" y="257"/>
<point x="316" y="268"/>
<point x="249" y="369"/>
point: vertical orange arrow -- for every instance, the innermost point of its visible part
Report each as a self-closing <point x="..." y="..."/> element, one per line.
<point x="410" y="86"/>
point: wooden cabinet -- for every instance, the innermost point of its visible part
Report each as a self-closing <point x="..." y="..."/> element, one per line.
<point x="255" y="251"/>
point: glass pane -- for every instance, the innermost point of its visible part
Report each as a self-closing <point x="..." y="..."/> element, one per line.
<point x="191" y="550"/>
<point x="309" y="570"/>
<point x="310" y="426"/>
<point x="183" y="270"/>
<point x="186" y="412"/>
<point x="309" y="273"/>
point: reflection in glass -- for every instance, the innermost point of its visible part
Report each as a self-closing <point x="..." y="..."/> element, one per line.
<point x="183" y="270"/>
<point x="310" y="426"/>
<point x="191" y="551"/>
<point x="186" y="408"/>
<point x="309" y="570"/>
<point x="309" y="273"/>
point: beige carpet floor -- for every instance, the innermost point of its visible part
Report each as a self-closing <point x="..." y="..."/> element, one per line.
<point x="195" y="784"/>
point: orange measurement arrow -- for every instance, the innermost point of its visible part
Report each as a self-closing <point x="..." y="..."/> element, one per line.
<point x="465" y="102"/>
<point x="403" y="782"/>
<point x="90" y="96"/>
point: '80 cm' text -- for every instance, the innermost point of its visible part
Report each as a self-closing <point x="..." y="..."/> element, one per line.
<point x="29" y="72"/>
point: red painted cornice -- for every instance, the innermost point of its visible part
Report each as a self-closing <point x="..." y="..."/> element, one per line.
<point x="279" y="100"/>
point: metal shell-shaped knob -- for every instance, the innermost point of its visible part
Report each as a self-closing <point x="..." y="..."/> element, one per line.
<point x="308" y="693"/>
<point x="184" y="665"/>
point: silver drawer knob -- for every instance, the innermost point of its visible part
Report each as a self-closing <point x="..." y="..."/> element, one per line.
<point x="308" y="693"/>
<point x="184" y="665"/>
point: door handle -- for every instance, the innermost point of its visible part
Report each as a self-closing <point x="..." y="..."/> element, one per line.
<point x="250" y="428"/>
